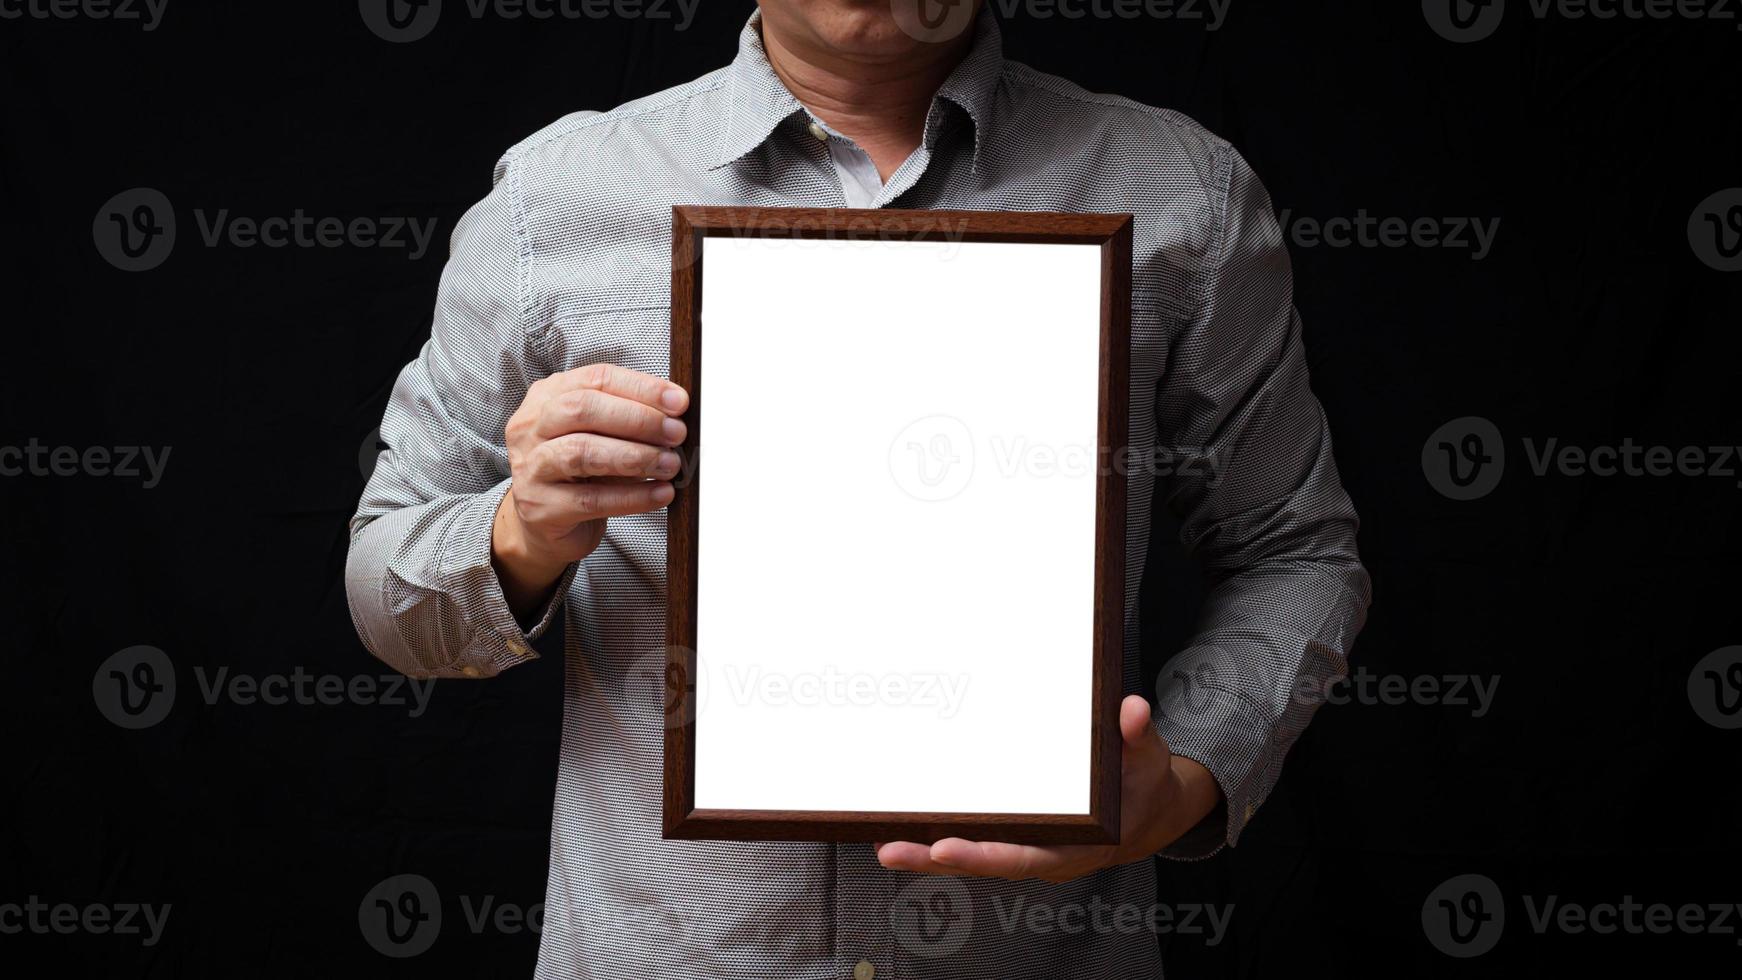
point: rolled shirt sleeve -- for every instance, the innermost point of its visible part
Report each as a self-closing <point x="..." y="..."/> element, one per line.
<point x="1263" y="512"/>
<point x="423" y="593"/>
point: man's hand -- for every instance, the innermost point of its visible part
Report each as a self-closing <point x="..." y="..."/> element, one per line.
<point x="1162" y="796"/>
<point x="585" y="445"/>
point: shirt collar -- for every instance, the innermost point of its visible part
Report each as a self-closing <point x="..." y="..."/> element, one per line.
<point x="757" y="101"/>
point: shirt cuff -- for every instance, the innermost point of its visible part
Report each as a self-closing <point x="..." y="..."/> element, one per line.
<point x="1202" y="719"/>
<point x="500" y="641"/>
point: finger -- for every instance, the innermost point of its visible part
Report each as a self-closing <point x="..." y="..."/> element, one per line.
<point x="625" y="383"/>
<point x="602" y="413"/>
<point x="996" y="860"/>
<point x="580" y="502"/>
<point x="1135" y="727"/>
<point x="908" y="856"/>
<point x="583" y="455"/>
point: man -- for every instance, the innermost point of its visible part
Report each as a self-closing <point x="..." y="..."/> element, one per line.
<point x="531" y="455"/>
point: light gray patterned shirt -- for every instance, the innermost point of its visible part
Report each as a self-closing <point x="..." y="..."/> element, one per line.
<point x="566" y="263"/>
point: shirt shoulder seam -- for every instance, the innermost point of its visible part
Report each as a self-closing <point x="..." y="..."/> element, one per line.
<point x="1060" y="88"/>
<point x="684" y="93"/>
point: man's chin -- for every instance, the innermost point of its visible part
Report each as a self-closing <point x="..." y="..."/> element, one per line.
<point x="882" y="30"/>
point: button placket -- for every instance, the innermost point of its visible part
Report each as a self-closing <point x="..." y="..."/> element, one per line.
<point x="864" y="889"/>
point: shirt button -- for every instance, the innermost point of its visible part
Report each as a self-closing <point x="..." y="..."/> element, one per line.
<point x="470" y="671"/>
<point x="864" y="970"/>
<point x="822" y="136"/>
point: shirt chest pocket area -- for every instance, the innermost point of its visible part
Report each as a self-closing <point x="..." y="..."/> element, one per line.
<point x="638" y="338"/>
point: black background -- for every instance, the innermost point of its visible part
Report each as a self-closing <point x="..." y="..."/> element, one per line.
<point x="1589" y="599"/>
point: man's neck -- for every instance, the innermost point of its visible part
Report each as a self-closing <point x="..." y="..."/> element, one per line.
<point x="879" y="105"/>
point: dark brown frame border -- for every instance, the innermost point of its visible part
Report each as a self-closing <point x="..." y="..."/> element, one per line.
<point x="691" y="224"/>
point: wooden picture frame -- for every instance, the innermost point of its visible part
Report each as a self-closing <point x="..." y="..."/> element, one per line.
<point x="1088" y="348"/>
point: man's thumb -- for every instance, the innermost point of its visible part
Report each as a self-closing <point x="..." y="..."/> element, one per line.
<point x="1134" y="724"/>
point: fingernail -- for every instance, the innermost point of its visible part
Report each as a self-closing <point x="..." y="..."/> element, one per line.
<point x="662" y="494"/>
<point x="673" y="430"/>
<point x="673" y="399"/>
<point x="666" y="465"/>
